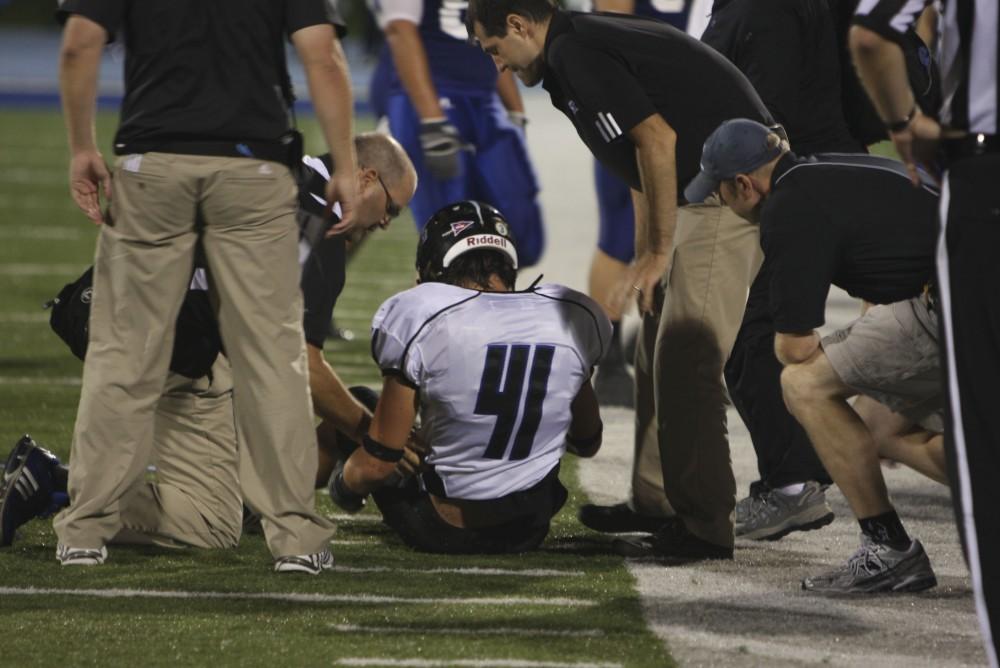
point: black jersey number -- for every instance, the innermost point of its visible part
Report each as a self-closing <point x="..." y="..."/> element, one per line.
<point x="500" y="395"/>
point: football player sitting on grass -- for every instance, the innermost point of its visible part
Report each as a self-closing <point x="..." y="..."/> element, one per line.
<point x="501" y="381"/>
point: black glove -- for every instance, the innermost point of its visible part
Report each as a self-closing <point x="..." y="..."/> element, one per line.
<point x="440" y="143"/>
<point x="348" y="501"/>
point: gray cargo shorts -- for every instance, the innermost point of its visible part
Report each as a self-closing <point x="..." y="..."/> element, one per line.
<point x="891" y="354"/>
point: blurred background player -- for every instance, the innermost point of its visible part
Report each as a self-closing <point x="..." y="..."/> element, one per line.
<point x="452" y="113"/>
<point x="501" y="380"/>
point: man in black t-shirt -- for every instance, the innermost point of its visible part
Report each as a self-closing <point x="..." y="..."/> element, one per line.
<point x="858" y="223"/>
<point x="196" y="500"/>
<point x="643" y="96"/>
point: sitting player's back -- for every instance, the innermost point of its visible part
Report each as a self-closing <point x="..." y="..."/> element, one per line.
<point x="496" y="372"/>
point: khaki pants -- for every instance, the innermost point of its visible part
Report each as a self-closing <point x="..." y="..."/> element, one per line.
<point x="195" y="500"/>
<point x="680" y="393"/>
<point x="142" y="267"/>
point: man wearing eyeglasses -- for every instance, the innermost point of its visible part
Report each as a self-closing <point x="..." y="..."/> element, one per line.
<point x="196" y="500"/>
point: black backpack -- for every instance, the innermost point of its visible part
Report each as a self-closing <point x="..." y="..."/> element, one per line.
<point x="196" y="342"/>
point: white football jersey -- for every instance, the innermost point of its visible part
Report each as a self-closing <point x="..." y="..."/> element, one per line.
<point x="496" y="373"/>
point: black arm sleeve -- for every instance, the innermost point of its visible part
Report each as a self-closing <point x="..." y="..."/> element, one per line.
<point x="109" y="14"/>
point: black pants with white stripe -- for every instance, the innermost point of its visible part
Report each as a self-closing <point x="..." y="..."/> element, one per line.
<point x="969" y="278"/>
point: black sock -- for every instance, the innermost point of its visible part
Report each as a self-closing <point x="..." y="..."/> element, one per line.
<point x="886" y="529"/>
<point x="60" y="478"/>
<point x="615" y="356"/>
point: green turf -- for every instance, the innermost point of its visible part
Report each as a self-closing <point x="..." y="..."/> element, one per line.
<point x="44" y="242"/>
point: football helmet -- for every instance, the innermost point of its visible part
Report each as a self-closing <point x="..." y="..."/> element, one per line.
<point x="459" y="228"/>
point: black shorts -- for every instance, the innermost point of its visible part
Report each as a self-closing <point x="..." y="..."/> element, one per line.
<point x="409" y="512"/>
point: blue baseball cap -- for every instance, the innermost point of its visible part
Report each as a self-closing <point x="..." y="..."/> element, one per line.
<point x="738" y="146"/>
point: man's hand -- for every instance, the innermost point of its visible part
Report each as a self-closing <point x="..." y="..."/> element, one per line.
<point x="88" y="176"/>
<point x="918" y="145"/>
<point x="414" y="454"/>
<point x="641" y="279"/>
<point x="343" y="188"/>
<point x="441" y="143"/>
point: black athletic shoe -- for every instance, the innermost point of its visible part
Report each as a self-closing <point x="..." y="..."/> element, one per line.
<point x="26" y="491"/>
<point x="672" y="542"/>
<point x="614" y="386"/>
<point x="874" y="568"/>
<point x="619" y="518"/>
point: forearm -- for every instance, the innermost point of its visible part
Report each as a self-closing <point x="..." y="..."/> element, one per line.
<point x="79" y="64"/>
<point x="658" y="174"/>
<point x="410" y="60"/>
<point x="330" y="88"/>
<point x="882" y="70"/>
<point x="620" y="6"/>
<point x="509" y="93"/>
<point x="332" y="401"/>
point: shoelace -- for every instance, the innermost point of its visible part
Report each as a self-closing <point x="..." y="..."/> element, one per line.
<point x="866" y="560"/>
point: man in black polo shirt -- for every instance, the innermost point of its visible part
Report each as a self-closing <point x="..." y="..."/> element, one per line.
<point x="204" y="148"/>
<point x="855" y="222"/>
<point x="643" y="97"/>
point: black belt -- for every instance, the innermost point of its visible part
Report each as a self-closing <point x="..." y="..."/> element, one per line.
<point x="274" y="151"/>
<point x="970" y="145"/>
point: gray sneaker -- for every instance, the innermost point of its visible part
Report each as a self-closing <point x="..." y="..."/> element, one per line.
<point x="773" y="515"/>
<point x="877" y="568"/>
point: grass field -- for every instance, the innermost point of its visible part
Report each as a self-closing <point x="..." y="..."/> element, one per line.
<point x="571" y="604"/>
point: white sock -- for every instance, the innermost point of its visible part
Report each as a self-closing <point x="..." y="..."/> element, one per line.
<point x="793" y="489"/>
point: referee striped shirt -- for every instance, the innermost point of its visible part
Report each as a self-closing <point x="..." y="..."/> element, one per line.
<point x="967" y="54"/>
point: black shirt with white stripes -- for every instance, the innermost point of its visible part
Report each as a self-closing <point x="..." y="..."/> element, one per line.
<point x="850" y="220"/>
<point x="609" y="72"/>
<point x="968" y="54"/>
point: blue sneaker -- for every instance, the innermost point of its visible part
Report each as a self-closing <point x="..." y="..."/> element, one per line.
<point x="26" y="490"/>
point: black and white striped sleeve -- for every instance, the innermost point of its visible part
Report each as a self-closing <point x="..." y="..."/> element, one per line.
<point x="889" y="18"/>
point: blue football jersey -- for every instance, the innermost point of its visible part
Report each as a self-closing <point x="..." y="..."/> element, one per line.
<point x="456" y="66"/>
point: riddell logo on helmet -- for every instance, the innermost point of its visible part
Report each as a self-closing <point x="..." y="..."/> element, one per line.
<point x="485" y="240"/>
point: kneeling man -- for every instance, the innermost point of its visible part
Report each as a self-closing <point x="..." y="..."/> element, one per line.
<point x="857" y="222"/>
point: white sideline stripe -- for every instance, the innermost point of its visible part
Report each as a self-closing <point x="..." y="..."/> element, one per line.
<point x="503" y="631"/>
<point x="344" y="517"/>
<point x="509" y="572"/>
<point x="295" y="597"/>
<point x="39" y="269"/>
<point x="469" y="663"/>
<point x="40" y="380"/>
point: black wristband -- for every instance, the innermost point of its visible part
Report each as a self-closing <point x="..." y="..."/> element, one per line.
<point x="587" y="442"/>
<point x="899" y="126"/>
<point x="379" y="451"/>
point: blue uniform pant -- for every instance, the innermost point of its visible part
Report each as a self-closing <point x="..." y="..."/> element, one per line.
<point x="498" y="172"/>
<point x="616" y="234"/>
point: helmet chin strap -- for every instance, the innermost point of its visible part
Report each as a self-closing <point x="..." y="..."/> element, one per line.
<point x="533" y="284"/>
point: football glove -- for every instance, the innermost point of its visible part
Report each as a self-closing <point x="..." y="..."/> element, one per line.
<point x="440" y="143"/>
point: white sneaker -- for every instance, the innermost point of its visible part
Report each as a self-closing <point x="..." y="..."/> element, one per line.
<point x="78" y="556"/>
<point x="313" y="564"/>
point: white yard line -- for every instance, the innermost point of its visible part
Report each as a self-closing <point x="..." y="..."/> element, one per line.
<point x="40" y="380"/>
<point x="43" y="232"/>
<point x="469" y="663"/>
<point x="506" y="572"/>
<point x="297" y="597"/>
<point x="503" y="631"/>
<point x="41" y="269"/>
<point x="21" y="317"/>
